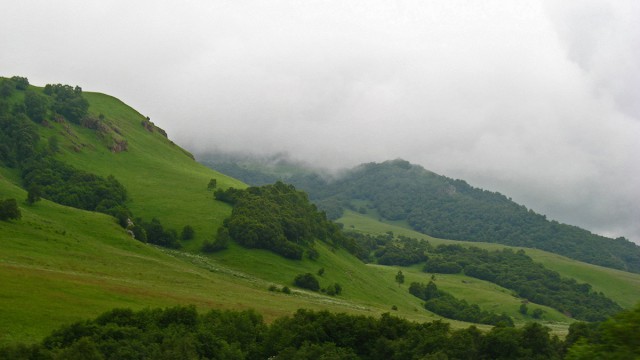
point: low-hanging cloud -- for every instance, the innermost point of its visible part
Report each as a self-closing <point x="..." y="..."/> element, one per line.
<point x="534" y="99"/>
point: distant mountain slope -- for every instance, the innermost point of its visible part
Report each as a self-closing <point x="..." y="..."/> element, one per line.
<point x="446" y="208"/>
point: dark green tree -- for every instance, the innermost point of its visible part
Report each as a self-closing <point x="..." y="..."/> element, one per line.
<point x="212" y="184"/>
<point x="54" y="146"/>
<point x="21" y="83"/>
<point x="6" y="88"/>
<point x="307" y="281"/>
<point x="537" y="313"/>
<point x="68" y="101"/>
<point x="400" y="277"/>
<point x="334" y="289"/>
<point x="187" y="233"/>
<point x="220" y="243"/>
<point x="9" y="209"/>
<point x="36" y="106"/>
<point x="34" y="194"/>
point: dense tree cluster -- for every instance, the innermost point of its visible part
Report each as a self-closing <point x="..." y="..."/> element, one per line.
<point x="69" y="186"/>
<point x="19" y="139"/>
<point x="277" y="217"/>
<point x="182" y="333"/>
<point x="449" y="209"/>
<point x="154" y="233"/>
<point x="387" y="249"/>
<point x="444" y="304"/>
<point x="307" y="281"/>
<point x="68" y="101"/>
<point x="529" y="280"/>
<point x="615" y="338"/>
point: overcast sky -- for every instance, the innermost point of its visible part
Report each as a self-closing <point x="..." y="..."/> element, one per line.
<point x="537" y="100"/>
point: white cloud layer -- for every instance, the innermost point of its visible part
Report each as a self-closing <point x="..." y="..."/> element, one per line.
<point x="535" y="99"/>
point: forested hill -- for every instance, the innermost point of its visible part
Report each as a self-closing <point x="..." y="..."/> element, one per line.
<point x="446" y="208"/>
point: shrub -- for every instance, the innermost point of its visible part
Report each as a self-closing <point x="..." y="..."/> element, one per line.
<point x="187" y="233"/>
<point x="334" y="289"/>
<point x="9" y="209"/>
<point x="307" y="281"/>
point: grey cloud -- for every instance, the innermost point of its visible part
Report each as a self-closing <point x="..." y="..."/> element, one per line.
<point x="536" y="99"/>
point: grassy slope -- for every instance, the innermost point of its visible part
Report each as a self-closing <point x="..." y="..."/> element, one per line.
<point x="59" y="264"/>
<point x="623" y="287"/>
<point x="162" y="181"/>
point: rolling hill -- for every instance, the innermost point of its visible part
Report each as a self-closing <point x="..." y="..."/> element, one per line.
<point x="60" y="264"/>
<point x="436" y="205"/>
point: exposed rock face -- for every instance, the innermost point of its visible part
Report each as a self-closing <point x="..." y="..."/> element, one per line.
<point x="119" y="145"/>
<point x="151" y="127"/>
<point x="148" y="125"/>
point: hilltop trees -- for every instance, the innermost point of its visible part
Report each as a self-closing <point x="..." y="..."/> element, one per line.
<point x="68" y="101"/>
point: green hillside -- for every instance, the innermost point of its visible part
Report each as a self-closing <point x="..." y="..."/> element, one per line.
<point x="160" y="177"/>
<point x="436" y="205"/>
<point x="60" y="264"/>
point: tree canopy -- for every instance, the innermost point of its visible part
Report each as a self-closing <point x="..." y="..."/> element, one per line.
<point x="277" y="217"/>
